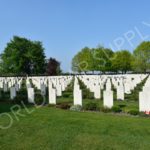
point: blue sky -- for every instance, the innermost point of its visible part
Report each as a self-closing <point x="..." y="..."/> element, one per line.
<point x="66" y="26"/>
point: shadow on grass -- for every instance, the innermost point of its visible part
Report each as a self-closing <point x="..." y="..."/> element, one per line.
<point x="6" y="106"/>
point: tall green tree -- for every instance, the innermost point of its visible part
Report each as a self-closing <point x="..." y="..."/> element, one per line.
<point x="122" y="61"/>
<point x="142" y="57"/>
<point x="95" y="59"/>
<point x="102" y="59"/>
<point x="23" y="56"/>
<point x="53" y="67"/>
<point x="83" y="61"/>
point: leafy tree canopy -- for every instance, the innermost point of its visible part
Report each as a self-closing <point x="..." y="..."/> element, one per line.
<point x="23" y="56"/>
<point x="53" y="67"/>
<point x="122" y="61"/>
<point x="95" y="59"/>
<point x="142" y="57"/>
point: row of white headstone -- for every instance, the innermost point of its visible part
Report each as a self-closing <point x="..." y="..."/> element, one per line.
<point x="56" y="85"/>
<point x="124" y="84"/>
<point x="12" y="84"/>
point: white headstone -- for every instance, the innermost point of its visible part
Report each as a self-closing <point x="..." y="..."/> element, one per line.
<point x="43" y="89"/>
<point x="52" y="96"/>
<point x="30" y="95"/>
<point x="58" y="90"/>
<point x="77" y="97"/>
<point x="5" y="87"/>
<point x="12" y="93"/>
<point x="97" y="92"/>
<point x="77" y="93"/>
<point x="108" y="99"/>
<point x="120" y="92"/>
<point x="144" y="100"/>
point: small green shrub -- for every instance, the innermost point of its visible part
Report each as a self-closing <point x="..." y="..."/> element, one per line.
<point x="39" y="99"/>
<point x="4" y="95"/>
<point x="66" y="94"/>
<point x="133" y="112"/>
<point x="71" y="96"/>
<point x="21" y="98"/>
<point x="63" y="106"/>
<point x="86" y="94"/>
<point x="105" y="109"/>
<point x="122" y="105"/>
<point x="116" y="109"/>
<point x="91" y="106"/>
<point x="82" y="85"/>
<point x="23" y="91"/>
<point x="76" y="108"/>
<point x="91" y="95"/>
<point x="69" y="88"/>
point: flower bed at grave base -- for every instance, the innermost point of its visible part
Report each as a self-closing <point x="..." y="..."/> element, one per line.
<point x="147" y="112"/>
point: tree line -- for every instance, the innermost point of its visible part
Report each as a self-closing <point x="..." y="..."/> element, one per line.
<point x="25" y="57"/>
<point x="105" y="60"/>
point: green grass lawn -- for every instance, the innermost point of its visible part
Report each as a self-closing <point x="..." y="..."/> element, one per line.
<point x="56" y="129"/>
<point x="5" y="107"/>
